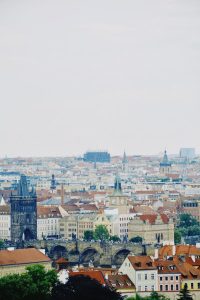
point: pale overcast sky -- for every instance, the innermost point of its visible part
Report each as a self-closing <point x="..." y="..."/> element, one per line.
<point x="109" y="74"/>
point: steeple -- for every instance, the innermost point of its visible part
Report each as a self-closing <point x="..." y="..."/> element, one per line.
<point x="2" y="201"/>
<point x="165" y="157"/>
<point x="165" y="165"/>
<point x="124" y="160"/>
<point x="165" y="160"/>
<point x="118" y="185"/>
<point x="53" y="183"/>
<point x="23" y="187"/>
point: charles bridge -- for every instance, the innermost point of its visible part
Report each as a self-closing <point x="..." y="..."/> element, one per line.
<point x="82" y="252"/>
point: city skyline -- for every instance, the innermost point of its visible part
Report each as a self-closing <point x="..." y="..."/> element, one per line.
<point x="115" y="76"/>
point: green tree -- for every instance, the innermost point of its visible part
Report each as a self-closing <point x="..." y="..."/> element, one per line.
<point x="35" y="284"/>
<point x="187" y="220"/>
<point x="177" y="236"/>
<point x="184" y="294"/>
<point x="83" y="287"/>
<point x="88" y="235"/>
<point x="115" y="238"/>
<point x="101" y="233"/>
<point x="136" y="239"/>
<point x="194" y="230"/>
<point x="155" y="296"/>
<point x="1" y="244"/>
<point x="40" y="281"/>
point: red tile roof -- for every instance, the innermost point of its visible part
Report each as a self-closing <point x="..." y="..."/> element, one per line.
<point x="142" y="262"/>
<point x="92" y="274"/>
<point x="22" y="256"/>
<point x="152" y="218"/>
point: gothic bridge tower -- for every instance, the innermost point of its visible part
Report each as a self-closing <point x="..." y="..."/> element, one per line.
<point x="23" y="213"/>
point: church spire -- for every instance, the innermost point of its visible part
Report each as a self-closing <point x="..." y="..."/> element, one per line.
<point x="53" y="183"/>
<point x="124" y="160"/>
<point x="118" y="185"/>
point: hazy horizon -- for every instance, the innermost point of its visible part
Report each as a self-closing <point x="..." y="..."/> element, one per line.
<point x="114" y="75"/>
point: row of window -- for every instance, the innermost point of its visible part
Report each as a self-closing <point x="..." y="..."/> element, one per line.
<point x="152" y="276"/>
<point x="146" y="288"/>
<point x="167" y="278"/>
<point x="172" y="287"/>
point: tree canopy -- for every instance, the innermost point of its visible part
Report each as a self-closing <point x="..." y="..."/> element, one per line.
<point x="81" y="287"/>
<point x="136" y="239"/>
<point x="36" y="283"/>
<point x="115" y="238"/>
<point x="88" y="235"/>
<point x="187" y="220"/>
<point x="101" y="233"/>
<point x="185" y="294"/>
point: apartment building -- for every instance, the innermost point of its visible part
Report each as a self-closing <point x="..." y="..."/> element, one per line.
<point x="142" y="272"/>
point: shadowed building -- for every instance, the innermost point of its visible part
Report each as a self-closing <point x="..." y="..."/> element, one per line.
<point x="97" y="156"/>
<point x="23" y="213"/>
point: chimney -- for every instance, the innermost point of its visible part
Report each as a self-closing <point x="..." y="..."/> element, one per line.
<point x="173" y="250"/>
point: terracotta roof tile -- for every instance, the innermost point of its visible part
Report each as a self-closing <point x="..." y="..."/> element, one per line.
<point x="22" y="256"/>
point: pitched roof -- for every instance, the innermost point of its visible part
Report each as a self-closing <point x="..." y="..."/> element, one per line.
<point x="22" y="256"/>
<point x="142" y="262"/>
<point x="94" y="274"/>
<point x="48" y="212"/>
<point x="166" y="267"/>
<point x="152" y="218"/>
<point x="120" y="281"/>
<point x="187" y="250"/>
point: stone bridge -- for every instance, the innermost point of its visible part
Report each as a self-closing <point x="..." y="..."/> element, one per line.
<point x="104" y="254"/>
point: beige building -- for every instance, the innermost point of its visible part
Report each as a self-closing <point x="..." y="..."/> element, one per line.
<point x="48" y="220"/>
<point x="16" y="261"/>
<point x="5" y="221"/>
<point x="152" y="228"/>
<point x="76" y="225"/>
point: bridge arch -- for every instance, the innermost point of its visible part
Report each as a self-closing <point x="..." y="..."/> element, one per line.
<point x="90" y="255"/>
<point x="58" y="251"/>
<point x="119" y="256"/>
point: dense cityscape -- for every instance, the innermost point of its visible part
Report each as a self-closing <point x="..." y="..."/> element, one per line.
<point x="100" y="152"/>
<point x="129" y="222"/>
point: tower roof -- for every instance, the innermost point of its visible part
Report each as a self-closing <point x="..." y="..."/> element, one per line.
<point x="165" y="161"/>
<point x="2" y="201"/>
<point x="124" y="160"/>
<point x="118" y="185"/>
<point x="23" y="187"/>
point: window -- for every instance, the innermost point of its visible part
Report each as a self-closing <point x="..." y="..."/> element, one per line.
<point x="145" y="288"/>
<point x="166" y="278"/>
<point x="176" y="277"/>
<point x="160" y="278"/>
<point x="145" y="276"/>
<point x="192" y="285"/>
<point x="152" y="287"/>
<point x="171" y="278"/>
<point x="152" y="276"/>
<point x="177" y="287"/>
<point x="172" y="287"/>
<point x="198" y="285"/>
<point x="166" y="288"/>
<point x="161" y="287"/>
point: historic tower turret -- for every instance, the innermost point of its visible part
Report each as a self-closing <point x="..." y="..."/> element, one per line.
<point x="23" y="213"/>
<point x="165" y="165"/>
